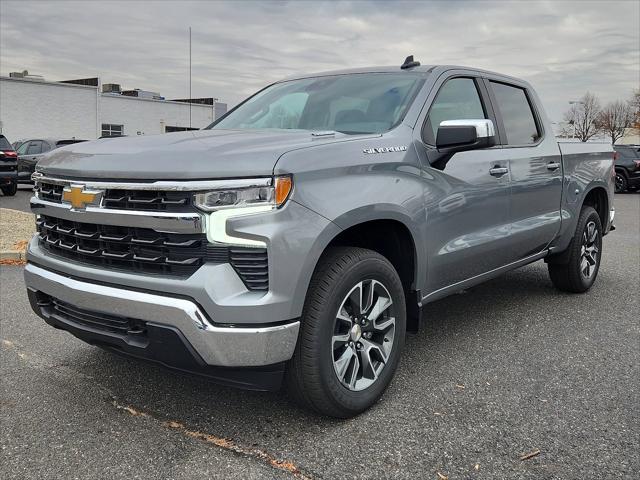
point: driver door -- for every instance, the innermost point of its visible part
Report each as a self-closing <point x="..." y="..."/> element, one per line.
<point x="467" y="199"/>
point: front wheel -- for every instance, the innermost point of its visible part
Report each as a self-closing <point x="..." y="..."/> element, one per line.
<point x="579" y="273"/>
<point x="352" y="333"/>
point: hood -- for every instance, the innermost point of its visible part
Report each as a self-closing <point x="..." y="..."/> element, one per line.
<point x="195" y="155"/>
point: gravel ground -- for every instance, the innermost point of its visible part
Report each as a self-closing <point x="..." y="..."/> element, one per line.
<point x="505" y="369"/>
<point x="15" y="227"/>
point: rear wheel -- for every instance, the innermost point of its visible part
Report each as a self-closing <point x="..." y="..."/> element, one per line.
<point x="620" y="182"/>
<point x="10" y="190"/>
<point x="352" y="333"/>
<point x="579" y="273"/>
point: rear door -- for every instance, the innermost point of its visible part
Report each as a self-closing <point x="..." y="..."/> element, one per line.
<point x="535" y="166"/>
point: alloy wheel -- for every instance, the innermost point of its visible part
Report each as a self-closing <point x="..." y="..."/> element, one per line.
<point x="589" y="250"/>
<point x="363" y="335"/>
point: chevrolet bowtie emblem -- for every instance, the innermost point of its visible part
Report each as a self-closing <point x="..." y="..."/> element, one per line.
<point x="79" y="198"/>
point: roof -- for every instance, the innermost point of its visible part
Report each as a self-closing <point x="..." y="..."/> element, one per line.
<point x="422" y="69"/>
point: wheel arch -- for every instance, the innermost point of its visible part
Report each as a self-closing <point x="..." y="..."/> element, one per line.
<point x="598" y="198"/>
<point x="395" y="237"/>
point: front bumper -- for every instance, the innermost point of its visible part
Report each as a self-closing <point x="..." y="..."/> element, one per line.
<point x="214" y="345"/>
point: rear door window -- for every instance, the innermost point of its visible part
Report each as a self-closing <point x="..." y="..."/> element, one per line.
<point x="517" y="116"/>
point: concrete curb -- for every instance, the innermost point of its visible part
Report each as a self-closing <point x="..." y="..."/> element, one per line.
<point x="12" y="255"/>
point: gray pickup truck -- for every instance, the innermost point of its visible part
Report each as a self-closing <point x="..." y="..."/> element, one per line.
<point x="296" y="239"/>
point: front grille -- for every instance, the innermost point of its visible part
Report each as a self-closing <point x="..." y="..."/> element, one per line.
<point x="119" y="199"/>
<point x="49" y="192"/>
<point x="96" y="320"/>
<point x="147" y="251"/>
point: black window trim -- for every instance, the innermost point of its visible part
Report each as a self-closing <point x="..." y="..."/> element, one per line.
<point x="500" y="123"/>
<point x="485" y="102"/>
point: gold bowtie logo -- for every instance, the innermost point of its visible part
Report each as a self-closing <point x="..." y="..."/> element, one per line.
<point x="78" y="197"/>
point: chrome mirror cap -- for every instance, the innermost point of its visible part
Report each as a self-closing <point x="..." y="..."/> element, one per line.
<point x="484" y="127"/>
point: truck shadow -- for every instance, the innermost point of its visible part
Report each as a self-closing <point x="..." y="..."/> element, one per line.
<point x="492" y="308"/>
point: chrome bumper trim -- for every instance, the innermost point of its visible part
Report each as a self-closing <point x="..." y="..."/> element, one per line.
<point x="220" y="346"/>
<point x="167" y="222"/>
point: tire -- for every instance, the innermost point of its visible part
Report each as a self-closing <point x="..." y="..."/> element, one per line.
<point x="575" y="275"/>
<point x="10" y="190"/>
<point x="320" y="376"/>
<point x="621" y="183"/>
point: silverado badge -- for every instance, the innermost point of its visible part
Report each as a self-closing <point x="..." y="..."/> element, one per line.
<point x="401" y="148"/>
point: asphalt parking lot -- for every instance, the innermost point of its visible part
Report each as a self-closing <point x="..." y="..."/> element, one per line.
<point x="20" y="201"/>
<point x="498" y="372"/>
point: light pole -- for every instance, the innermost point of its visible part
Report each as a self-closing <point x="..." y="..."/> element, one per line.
<point x="575" y="102"/>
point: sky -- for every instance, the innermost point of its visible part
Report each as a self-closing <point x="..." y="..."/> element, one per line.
<point x="564" y="48"/>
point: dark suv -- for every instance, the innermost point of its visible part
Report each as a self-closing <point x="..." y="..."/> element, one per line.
<point x="30" y="151"/>
<point x="627" y="158"/>
<point x="8" y="167"/>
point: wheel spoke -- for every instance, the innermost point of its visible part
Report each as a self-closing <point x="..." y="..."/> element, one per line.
<point x="382" y="303"/>
<point x="384" y="324"/>
<point x="593" y="232"/>
<point x="340" y="339"/>
<point x="353" y="374"/>
<point x="342" y="363"/>
<point x="585" y="267"/>
<point x="368" y="370"/>
<point x="371" y="347"/>
<point x="356" y="298"/>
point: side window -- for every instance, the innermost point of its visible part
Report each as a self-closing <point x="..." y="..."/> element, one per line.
<point x="22" y="149"/>
<point x="517" y="116"/>
<point x="458" y="99"/>
<point x="35" y="147"/>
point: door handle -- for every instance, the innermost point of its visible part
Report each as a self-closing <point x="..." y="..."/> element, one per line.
<point x="498" y="171"/>
<point x="553" y="166"/>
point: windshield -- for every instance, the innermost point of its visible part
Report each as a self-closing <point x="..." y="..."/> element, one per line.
<point x="358" y="103"/>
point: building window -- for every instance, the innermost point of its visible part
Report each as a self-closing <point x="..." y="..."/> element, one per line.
<point x="171" y="128"/>
<point x="110" y="130"/>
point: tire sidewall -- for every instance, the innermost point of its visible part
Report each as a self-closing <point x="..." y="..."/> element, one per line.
<point x="369" y="268"/>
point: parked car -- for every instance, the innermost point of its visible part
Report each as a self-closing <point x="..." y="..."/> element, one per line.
<point x="8" y="168"/>
<point x="297" y="238"/>
<point x="627" y="160"/>
<point x="30" y="151"/>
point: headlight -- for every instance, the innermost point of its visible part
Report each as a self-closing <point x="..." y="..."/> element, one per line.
<point x="259" y="192"/>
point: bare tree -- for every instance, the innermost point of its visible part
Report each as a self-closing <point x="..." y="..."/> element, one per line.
<point x="615" y="119"/>
<point x="583" y="115"/>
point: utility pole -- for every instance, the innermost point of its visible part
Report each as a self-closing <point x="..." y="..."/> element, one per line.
<point x="190" y="77"/>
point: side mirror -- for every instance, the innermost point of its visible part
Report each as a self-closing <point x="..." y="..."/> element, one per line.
<point x="462" y="135"/>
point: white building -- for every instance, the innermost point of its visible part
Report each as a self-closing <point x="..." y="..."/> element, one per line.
<point x="34" y="108"/>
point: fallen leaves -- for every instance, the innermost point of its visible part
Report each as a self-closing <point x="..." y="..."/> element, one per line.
<point x="21" y="245"/>
<point x="221" y="442"/>
<point x="13" y="261"/>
